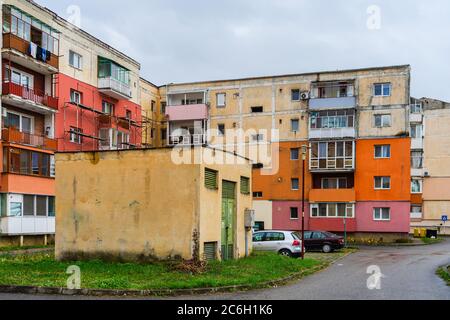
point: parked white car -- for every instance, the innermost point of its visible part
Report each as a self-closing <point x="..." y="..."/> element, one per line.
<point x="286" y="243"/>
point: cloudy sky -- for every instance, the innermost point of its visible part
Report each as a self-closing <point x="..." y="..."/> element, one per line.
<point x="180" y="40"/>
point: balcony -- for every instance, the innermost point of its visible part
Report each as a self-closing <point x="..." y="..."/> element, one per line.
<point x="114" y="88"/>
<point x="332" y="96"/>
<point x="187" y="112"/>
<point x="415" y="118"/>
<point x="332" y="195"/>
<point x="417" y="144"/>
<point x="18" y="50"/>
<point x="27" y="225"/>
<point x="11" y="135"/>
<point x="188" y="140"/>
<point x="332" y="133"/>
<point x="416" y="215"/>
<point x="23" y="97"/>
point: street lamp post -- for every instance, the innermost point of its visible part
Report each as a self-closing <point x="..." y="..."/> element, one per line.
<point x="304" y="153"/>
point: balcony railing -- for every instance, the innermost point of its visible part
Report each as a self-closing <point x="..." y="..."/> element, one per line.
<point x="188" y="140"/>
<point x="114" y="88"/>
<point x="10" y="88"/>
<point x="11" y="41"/>
<point x="332" y="133"/>
<point x="187" y="112"/>
<point x="11" y="135"/>
<point x="27" y="225"/>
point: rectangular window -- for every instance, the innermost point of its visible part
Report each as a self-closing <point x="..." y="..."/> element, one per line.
<point x="258" y="137"/>
<point x="334" y="183"/>
<point x="221" y="100"/>
<point x="382" y="120"/>
<point x="41" y="206"/>
<point x="382" y="183"/>
<point x="221" y="129"/>
<point x="417" y="159"/>
<point x="163" y="134"/>
<point x="153" y="106"/>
<point x="257" y="194"/>
<point x="51" y="206"/>
<point x="295" y="95"/>
<point x="416" y="131"/>
<point x="75" y="136"/>
<point x="76" y="97"/>
<point x="107" y="108"/>
<point x="333" y="210"/>
<point x="28" y="205"/>
<point x="383" y="152"/>
<point x="245" y="185"/>
<point x="295" y="154"/>
<point x="75" y="60"/>
<point x="382" y="214"/>
<point x="15" y="209"/>
<point x="295" y="185"/>
<point x="382" y="89"/>
<point x="294" y="213"/>
<point x="211" y="179"/>
<point x="295" y="125"/>
<point x="163" y="107"/>
<point x="257" y="109"/>
<point x="416" y="186"/>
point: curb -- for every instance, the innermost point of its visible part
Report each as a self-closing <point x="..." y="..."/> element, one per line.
<point x="161" y="292"/>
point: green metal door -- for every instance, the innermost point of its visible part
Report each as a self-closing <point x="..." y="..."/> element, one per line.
<point x="228" y="223"/>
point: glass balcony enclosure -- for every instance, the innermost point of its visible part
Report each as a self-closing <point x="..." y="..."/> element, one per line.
<point x="332" y="156"/>
<point x="110" y="69"/>
<point x="332" y="119"/>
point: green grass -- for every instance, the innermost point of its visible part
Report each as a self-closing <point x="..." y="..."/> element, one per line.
<point x="18" y="248"/>
<point x="431" y="241"/>
<point x="444" y="274"/>
<point x="43" y="271"/>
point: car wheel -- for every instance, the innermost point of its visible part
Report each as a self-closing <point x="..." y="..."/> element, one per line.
<point x="285" y="253"/>
<point x="326" y="248"/>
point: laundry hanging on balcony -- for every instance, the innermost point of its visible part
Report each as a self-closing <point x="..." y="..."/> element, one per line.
<point x="33" y="49"/>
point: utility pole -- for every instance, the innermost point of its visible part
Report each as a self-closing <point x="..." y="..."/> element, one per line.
<point x="304" y="154"/>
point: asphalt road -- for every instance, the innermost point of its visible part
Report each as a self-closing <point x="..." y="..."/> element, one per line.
<point x="408" y="273"/>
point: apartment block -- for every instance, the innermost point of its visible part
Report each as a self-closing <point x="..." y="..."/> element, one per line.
<point x="154" y="126"/>
<point x="356" y="124"/>
<point x="430" y="124"/>
<point x="62" y="90"/>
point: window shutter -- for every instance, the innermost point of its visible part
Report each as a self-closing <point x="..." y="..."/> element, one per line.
<point x="210" y="251"/>
<point x="245" y="185"/>
<point x="210" y="179"/>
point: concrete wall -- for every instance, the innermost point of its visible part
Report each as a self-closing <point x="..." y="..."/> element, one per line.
<point x="139" y="205"/>
<point x="263" y="211"/>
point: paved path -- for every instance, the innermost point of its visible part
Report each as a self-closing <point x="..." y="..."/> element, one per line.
<point x="409" y="274"/>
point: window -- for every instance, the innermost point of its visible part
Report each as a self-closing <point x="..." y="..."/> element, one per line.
<point x="258" y="137"/>
<point x="28" y="205"/>
<point x="259" y="237"/>
<point x="257" y="194"/>
<point x="332" y="155"/>
<point x="383" y="152"/>
<point x="417" y="159"/>
<point x="245" y="185"/>
<point x="211" y="179"/>
<point x="19" y="122"/>
<point x="416" y="186"/>
<point x="41" y="206"/>
<point x="416" y="209"/>
<point x="295" y="125"/>
<point x="153" y="106"/>
<point x="382" y="120"/>
<point x="295" y="154"/>
<point x="295" y="95"/>
<point x="416" y="108"/>
<point x="163" y="134"/>
<point x="221" y="100"/>
<point x="221" y="129"/>
<point x="76" y="97"/>
<point x="333" y="210"/>
<point x="382" y="89"/>
<point x="295" y="185"/>
<point x="163" y="107"/>
<point x="75" y="136"/>
<point x="15" y="209"/>
<point x="128" y="115"/>
<point x="416" y="131"/>
<point x="75" y="60"/>
<point x="294" y="213"/>
<point x="51" y="206"/>
<point x="25" y="162"/>
<point x="257" y="109"/>
<point x="382" y="214"/>
<point x="382" y="183"/>
<point x="19" y="77"/>
<point x="259" y="226"/>
<point x="334" y="183"/>
<point x="274" y="236"/>
<point x="107" y="108"/>
<point x="332" y="119"/>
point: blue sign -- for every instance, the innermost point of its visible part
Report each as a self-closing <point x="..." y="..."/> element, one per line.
<point x="444" y="218"/>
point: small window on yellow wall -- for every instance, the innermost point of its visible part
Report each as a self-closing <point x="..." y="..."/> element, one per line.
<point x="245" y="185"/>
<point x="211" y="179"/>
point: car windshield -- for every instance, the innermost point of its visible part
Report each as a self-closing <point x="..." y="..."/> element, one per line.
<point x="330" y="235"/>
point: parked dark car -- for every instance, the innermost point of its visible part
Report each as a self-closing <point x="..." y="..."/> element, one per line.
<point x="322" y="241"/>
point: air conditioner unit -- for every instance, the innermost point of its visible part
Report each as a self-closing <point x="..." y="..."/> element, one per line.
<point x="305" y="95"/>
